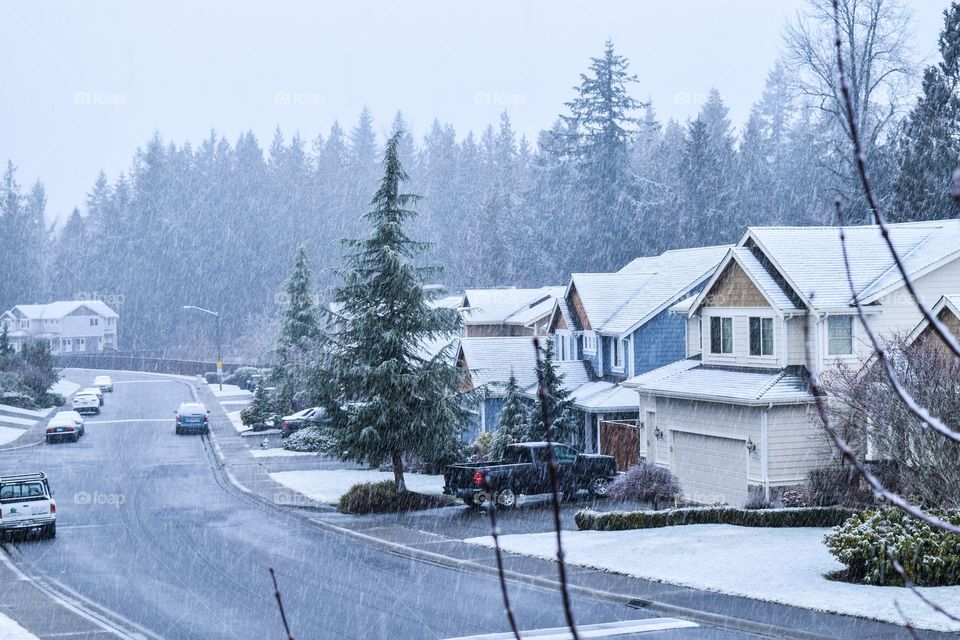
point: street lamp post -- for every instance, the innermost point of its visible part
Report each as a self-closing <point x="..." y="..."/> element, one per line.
<point x="215" y="314"/>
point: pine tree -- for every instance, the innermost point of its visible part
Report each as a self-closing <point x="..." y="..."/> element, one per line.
<point x="262" y="409"/>
<point x="388" y="400"/>
<point x="299" y="334"/>
<point x="559" y="404"/>
<point x="513" y="426"/>
<point x="7" y="353"/>
<point x="929" y="149"/>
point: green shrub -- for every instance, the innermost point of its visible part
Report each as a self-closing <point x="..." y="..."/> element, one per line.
<point x="623" y="520"/>
<point x="381" y="497"/>
<point x="244" y="377"/>
<point x="53" y="400"/>
<point x="866" y="542"/>
<point x="310" y="439"/>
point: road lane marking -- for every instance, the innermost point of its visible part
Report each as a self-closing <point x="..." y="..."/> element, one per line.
<point x="128" y="420"/>
<point x="603" y="630"/>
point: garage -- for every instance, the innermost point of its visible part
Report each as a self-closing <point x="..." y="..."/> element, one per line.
<point x="710" y="469"/>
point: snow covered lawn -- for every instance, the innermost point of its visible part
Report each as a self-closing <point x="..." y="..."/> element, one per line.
<point x="64" y="387"/>
<point x="778" y="565"/>
<point x="328" y="485"/>
<point x="229" y="391"/>
<point x="279" y="453"/>
<point x="10" y="630"/>
<point x="237" y="423"/>
<point x="9" y="434"/>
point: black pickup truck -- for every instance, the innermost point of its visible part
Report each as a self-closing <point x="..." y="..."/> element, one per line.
<point x="524" y="471"/>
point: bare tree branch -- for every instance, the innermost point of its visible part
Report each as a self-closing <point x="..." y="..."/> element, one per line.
<point x="554" y="490"/>
<point x="495" y="532"/>
<point x="276" y="594"/>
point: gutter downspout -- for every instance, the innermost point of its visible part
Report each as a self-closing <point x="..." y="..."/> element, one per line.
<point x="764" y="453"/>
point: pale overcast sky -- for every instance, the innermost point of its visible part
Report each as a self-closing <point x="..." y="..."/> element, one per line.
<point x="85" y="83"/>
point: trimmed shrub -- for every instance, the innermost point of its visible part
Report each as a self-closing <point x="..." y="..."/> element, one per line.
<point x="381" y="497"/>
<point x="53" y="400"/>
<point x="866" y="542"/>
<point x="645" y="483"/>
<point x="308" y="439"/>
<point x="624" y="520"/>
<point x="18" y="400"/>
<point x="211" y="377"/>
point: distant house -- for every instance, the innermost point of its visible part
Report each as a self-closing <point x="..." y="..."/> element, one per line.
<point x="67" y="326"/>
<point x="736" y="414"/>
<point x="508" y="312"/>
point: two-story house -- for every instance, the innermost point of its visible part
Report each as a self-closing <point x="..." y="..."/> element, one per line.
<point x="736" y="414"/>
<point x="620" y="326"/>
<point x="67" y="325"/>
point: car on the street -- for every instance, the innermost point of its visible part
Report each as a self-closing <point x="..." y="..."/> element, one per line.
<point x="524" y="470"/>
<point x="192" y="416"/>
<point x="76" y="417"/>
<point x="26" y="503"/>
<point x="104" y="383"/>
<point x="84" y="403"/>
<point x="305" y="418"/>
<point x="95" y="391"/>
<point x="61" y="428"/>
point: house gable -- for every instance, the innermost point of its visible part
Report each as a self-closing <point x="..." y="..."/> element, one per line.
<point x="579" y="312"/>
<point x="734" y="289"/>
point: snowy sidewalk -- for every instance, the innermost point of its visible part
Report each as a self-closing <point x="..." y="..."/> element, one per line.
<point x="786" y="566"/>
<point x="10" y="630"/>
<point x="14" y="421"/>
<point x="329" y="485"/>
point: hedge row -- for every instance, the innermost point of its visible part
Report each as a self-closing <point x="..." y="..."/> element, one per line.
<point x="792" y="517"/>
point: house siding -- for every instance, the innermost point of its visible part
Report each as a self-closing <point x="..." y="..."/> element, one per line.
<point x="735" y="289"/>
<point x="657" y="343"/>
<point x="796" y="444"/>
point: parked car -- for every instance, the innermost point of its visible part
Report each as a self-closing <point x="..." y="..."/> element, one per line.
<point x="104" y="383"/>
<point x="62" y="428"/>
<point x="76" y="417"/>
<point x="192" y="416"/>
<point x="26" y="503"/>
<point x="296" y="421"/>
<point x="84" y="403"/>
<point x="95" y="391"/>
<point x="524" y="471"/>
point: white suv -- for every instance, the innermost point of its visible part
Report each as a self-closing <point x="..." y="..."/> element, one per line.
<point x="26" y="504"/>
<point x="86" y="403"/>
<point x="104" y="383"/>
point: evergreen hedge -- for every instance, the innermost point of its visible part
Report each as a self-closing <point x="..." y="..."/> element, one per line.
<point x="793" y="517"/>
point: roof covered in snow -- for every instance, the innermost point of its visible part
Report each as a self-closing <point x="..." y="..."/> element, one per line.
<point x="618" y="303"/>
<point x="605" y="397"/>
<point x="574" y="372"/>
<point x="509" y="306"/>
<point x="692" y="380"/>
<point x="492" y="360"/>
<point x="810" y="259"/>
<point x="62" y="308"/>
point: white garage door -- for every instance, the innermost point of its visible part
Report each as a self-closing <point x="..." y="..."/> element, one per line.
<point x="710" y="469"/>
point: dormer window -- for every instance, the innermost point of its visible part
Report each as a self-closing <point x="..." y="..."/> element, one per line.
<point x="840" y="335"/>
<point x="761" y="336"/>
<point x="721" y="335"/>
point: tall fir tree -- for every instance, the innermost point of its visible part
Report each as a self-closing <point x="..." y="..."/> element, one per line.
<point x="513" y="425"/>
<point x="299" y="334"/>
<point x="929" y="148"/>
<point x="388" y="399"/>
<point x="563" y="426"/>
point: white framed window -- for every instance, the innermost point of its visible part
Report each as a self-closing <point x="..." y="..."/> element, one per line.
<point x="721" y="335"/>
<point x="616" y="361"/>
<point x="761" y="336"/>
<point x="590" y="341"/>
<point x="840" y="335"/>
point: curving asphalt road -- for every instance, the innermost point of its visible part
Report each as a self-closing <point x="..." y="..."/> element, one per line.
<point x="149" y="531"/>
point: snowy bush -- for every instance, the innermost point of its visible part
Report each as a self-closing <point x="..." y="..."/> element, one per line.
<point x="623" y="520"/>
<point x="211" y="377"/>
<point x="262" y="412"/>
<point x="382" y="497"/>
<point x="868" y="542"/>
<point x="244" y="377"/>
<point x="645" y="482"/>
<point x="310" y="439"/>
